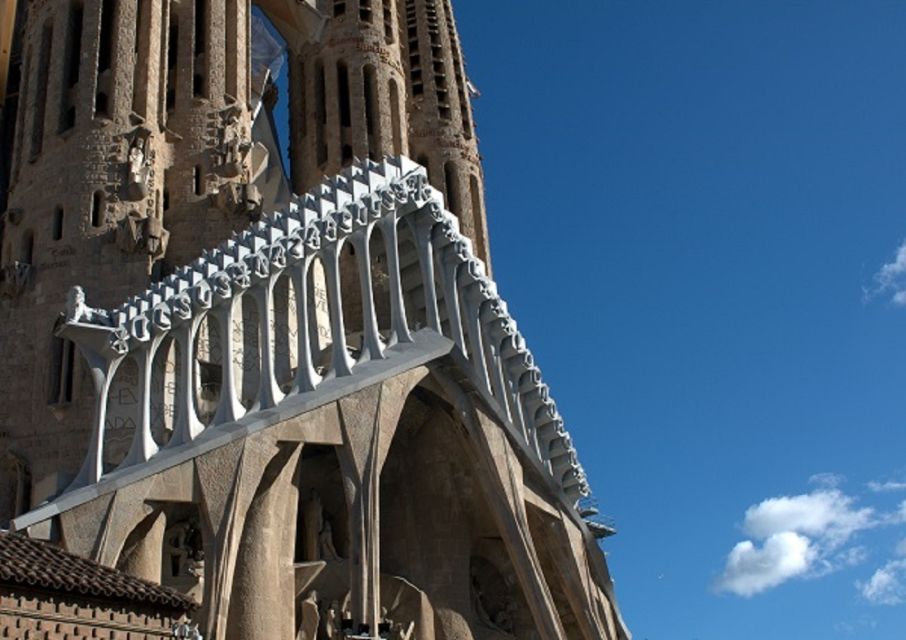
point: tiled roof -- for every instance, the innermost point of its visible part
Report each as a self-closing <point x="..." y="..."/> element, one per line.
<point x="41" y="565"/>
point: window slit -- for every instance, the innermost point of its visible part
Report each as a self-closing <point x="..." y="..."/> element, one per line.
<point x="58" y="223"/>
<point x="200" y="63"/>
<point x="343" y="93"/>
<point x="37" y="139"/>
<point x="97" y="209"/>
<point x="105" y="58"/>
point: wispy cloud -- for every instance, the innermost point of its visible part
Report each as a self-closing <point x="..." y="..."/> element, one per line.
<point x="890" y="280"/>
<point x="800" y="536"/>
<point x="886" y="585"/>
<point x="889" y="486"/>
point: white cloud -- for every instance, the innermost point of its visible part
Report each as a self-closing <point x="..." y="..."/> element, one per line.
<point x="885" y="587"/>
<point x="802" y="536"/>
<point x="826" y="514"/>
<point x="751" y="570"/>
<point x="886" y="487"/>
<point x="891" y="279"/>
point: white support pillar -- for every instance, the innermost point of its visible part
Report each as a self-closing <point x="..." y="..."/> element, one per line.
<point x="399" y="327"/>
<point x="372" y="346"/>
<point x="306" y="376"/>
<point x="229" y="409"/>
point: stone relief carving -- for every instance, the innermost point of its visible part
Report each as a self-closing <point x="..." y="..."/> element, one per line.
<point x="14" y="278"/>
<point x="137" y="233"/>
<point x="311" y="617"/>
<point x="237" y="198"/>
<point x="78" y="311"/>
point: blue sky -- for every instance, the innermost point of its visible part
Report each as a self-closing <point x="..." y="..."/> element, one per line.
<point x="691" y="205"/>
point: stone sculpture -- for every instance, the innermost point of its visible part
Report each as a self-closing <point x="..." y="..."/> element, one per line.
<point x="77" y="311"/>
<point x="311" y="618"/>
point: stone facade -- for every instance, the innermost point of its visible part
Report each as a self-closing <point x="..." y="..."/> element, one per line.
<point x="315" y="415"/>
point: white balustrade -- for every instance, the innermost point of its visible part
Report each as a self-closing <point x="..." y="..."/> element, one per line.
<point x="459" y="300"/>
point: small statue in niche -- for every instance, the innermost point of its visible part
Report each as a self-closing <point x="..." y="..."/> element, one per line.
<point x="333" y="621"/>
<point x="77" y="311"/>
<point x="328" y="550"/>
<point x="234" y="144"/>
<point x="139" y="166"/>
<point x="311" y="617"/>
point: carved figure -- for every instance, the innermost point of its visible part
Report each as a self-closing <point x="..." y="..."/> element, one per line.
<point x="328" y="551"/>
<point x="234" y="144"/>
<point x="136" y="233"/>
<point x="311" y="618"/>
<point x="313" y="520"/>
<point x="333" y="621"/>
<point x="139" y="167"/>
<point x="78" y="311"/>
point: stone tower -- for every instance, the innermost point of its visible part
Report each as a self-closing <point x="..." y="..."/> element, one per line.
<point x="298" y="399"/>
<point x="388" y="78"/>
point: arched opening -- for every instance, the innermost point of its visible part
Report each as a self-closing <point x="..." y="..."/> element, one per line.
<point x="339" y="8"/>
<point x="481" y="241"/>
<point x="27" y="251"/>
<point x="444" y="538"/>
<point x="232" y="39"/>
<point x="163" y="392"/>
<point x="209" y="369"/>
<point x="380" y="282"/>
<point x="411" y="278"/>
<point x="197" y="183"/>
<point x="124" y="413"/>
<point x="323" y="520"/>
<point x="286" y="333"/>
<point x="351" y="296"/>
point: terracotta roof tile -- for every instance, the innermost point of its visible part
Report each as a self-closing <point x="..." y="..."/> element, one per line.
<point x="42" y="565"/>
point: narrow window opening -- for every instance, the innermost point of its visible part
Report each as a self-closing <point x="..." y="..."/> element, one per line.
<point x="452" y="189"/>
<point x="58" y="223"/>
<point x="61" y="371"/>
<point x="395" y="118"/>
<point x="371" y="116"/>
<point x="343" y="92"/>
<point x="140" y="67"/>
<point x="196" y="180"/>
<point x="365" y="14"/>
<point x="172" y="59"/>
<point x="339" y="8"/>
<point x="232" y="44"/>
<point x="105" y="57"/>
<point x="423" y="160"/>
<point x="37" y="138"/>
<point x="97" y="209"/>
<point x="477" y="216"/>
<point x="28" y="248"/>
<point x="321" y="112"/>
<point x="72" y="67"/>
<point x="388" y="21"/>
<point x="347" y="155"/>
<point x="201" y="30"/>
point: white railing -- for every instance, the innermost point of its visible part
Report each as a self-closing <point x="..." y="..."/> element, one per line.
<point x="424" y="266"/>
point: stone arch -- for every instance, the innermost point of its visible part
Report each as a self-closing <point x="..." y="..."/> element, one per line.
<point x="437" y="500"/>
